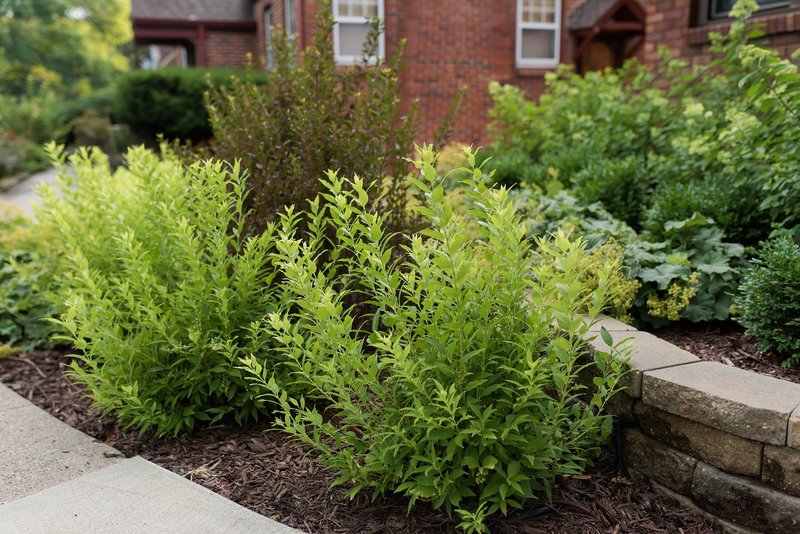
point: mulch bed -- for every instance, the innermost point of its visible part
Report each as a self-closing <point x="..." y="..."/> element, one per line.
<point x="261" y="469"/>
<point x="728" y="344"/>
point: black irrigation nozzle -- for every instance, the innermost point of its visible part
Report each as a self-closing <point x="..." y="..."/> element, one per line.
<point x="618" y="437"/>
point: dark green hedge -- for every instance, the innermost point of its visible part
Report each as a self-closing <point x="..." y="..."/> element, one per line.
<point x="170" y="101"/>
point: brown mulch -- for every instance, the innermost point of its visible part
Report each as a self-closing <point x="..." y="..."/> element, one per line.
<point x="263" y="470"/>
<point x="726" y="343"/>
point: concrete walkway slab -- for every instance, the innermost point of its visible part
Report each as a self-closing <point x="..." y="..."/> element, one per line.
<point x="38" y="451"/>
<point x="23" y="195"/>
<point x="10" y="400"/>
<point x="132" y="496"/>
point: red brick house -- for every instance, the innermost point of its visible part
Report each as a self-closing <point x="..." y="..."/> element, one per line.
<point x="455" y="42"/>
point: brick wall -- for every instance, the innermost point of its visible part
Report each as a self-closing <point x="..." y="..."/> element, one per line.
<point x="229" y="48"/>
<point x="451" y="43"/>
<point x="670" y="23"/>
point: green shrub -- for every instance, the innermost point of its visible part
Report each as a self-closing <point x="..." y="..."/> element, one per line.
<point x="618" y="184"/>
<point x="170" y="101"/>
<point x="25" y="279"/>
<point x="769" y="304"/>
<point x="734" y="206"/>
<point x="462" y="389"/>
<point x="102" y="102"/>
<point x="717" y="139"/>
<point x="26" y="123"/>
<point x="160" y="287"/>
<point x="600" y="117"/>
<point x="310" y="116"/>
<point x="691" y="273"/>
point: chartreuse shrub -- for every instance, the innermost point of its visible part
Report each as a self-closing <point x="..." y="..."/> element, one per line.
<point x="25" y="279"/>
<point x="160" y="287"/>
<point x="655" y="145"/>
<point x="769" y="305"/>
<point x="766" y="128"/>
<point x="461" y="386"/>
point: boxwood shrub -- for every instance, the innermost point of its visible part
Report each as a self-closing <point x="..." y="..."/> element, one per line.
<point x="170" y="101"/>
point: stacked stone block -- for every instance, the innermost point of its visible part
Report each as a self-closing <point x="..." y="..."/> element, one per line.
<point x="723" y="440"/>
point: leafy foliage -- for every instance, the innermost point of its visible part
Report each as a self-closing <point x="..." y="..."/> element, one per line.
<point x="681" y="166"/>
<point x="698" y="270"/>
<point x="161" y="288"/>
<point x="26" y="123"/>
<point x="463" y="391"/>
<point x="170" y="101"/>
<point x="25" y="279"/>
<point x="310" y="116"/>
<point x="691" y="274"/>
<point x="769" y="305"/>
<point x="68" y="46"/>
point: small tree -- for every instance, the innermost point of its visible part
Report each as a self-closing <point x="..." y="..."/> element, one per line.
<point x="310" y="116"/>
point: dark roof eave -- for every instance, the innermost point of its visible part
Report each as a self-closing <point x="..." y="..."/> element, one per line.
<point x="187" y="22"/>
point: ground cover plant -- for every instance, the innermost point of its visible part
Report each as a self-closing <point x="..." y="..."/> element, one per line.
<point x="462" y="387"/>
<point x="159" y="286"/>
<point x="25" y="279"/>
<point x="683" y="167"/>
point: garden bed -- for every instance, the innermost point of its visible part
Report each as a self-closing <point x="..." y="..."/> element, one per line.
<point x="727" y="343"/>
<point x="266" y="472"/>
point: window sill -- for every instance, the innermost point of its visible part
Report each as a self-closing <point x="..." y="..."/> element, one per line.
<point x="534" y="72"/>
<point x="772" y="24"/>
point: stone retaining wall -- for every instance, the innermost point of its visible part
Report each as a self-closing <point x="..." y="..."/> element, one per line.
<point x="725" y="439"/>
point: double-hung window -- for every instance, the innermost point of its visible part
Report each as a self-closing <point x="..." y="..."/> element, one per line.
<point x="538" y="33"/>
<point x="354" y="20"/>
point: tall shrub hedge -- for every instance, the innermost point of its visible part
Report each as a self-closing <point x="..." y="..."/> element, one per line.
<point x="170" y="101"/>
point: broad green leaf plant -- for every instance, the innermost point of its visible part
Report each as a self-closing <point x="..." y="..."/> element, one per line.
<point x="461" y="386"/>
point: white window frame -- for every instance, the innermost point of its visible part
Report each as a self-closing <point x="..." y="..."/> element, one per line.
<point x="352" y="60"/>
<point x="289" y="19"/>
<point x="268" y="23"/>
<point x="556" y="26"/>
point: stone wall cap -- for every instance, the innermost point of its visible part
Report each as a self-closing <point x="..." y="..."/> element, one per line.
<point x="648" y="353"/>
<point x="741" y="402"/>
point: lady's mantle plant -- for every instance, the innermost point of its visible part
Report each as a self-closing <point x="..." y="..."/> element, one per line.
<point x="461" y="386"/>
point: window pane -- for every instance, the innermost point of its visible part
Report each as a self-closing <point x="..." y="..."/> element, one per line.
<point x="358" y="8"/>
<point x="268" y="37"/>
<point x="351" y="38"/>
<point x="288" y="19"/>
<point x="720" y="8"/>
<point x="371" y="9"/>
<point x="541" y="11"/>
<point x="538" y="44"/>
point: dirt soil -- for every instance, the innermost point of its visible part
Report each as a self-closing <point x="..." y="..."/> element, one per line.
<point x="261" y="469"/>
<point x="726" y="343"/>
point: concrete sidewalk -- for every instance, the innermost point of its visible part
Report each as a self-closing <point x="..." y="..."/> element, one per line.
<point x="23" y="195"/>
<point x="55" y="479"/>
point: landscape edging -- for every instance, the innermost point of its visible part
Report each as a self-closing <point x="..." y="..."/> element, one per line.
<point x="725" y="439"/>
